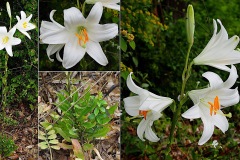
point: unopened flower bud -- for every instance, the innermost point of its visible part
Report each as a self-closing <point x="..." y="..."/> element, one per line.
<point x="8" y="10"/>
<point x="190" y="24"/>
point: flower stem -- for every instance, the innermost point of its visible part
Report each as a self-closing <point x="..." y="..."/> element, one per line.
<point x="183" y="98"/>
<point x="83" y="8"/>
<point x="78" y="6"/>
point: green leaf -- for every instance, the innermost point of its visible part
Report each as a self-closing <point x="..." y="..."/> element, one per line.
<point x="41" y="133"/>
<point x="49" y="127"/>
<point x="132" y="45"/>
<point x="63" y="134"/>
<point x="123" y="44"/>
<point x="102" y="132"/>
<point x="91" y="116"/>
<point x="51" y="132"/>
<point x="87" y="146"/>
<point x="54" y="141"/>
<point x="102" y="109"/>
<point x="41" y="137"/>
<point x="135" y="61"/>
<point x="75" y="96"/>
<point x="43" y="145"/>
<point x="89" y="124"/>
<point x="112" y="109"/>
<point x="53" y="136"/>
<point x="45" y="124"/>
<point x="96" y="111"/>
<point x="55" y="147"/>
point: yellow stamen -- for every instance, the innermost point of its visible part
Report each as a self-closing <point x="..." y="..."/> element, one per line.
<point x="5" y="39"/>
<point x="214" y="107"/>
<point x="82" y="36"/>
<point x="143" y="113"/>
<point x="25" y="24"/>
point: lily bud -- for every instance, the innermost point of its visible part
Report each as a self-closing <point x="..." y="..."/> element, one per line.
<point x="9" y="10"/>
<point x="190" y="24"/>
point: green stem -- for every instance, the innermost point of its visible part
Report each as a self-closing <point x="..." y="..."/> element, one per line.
<point x="4" y="81"/>
<point x="83" y="8"/>
<point x="183" y="98"/>
<point x="78" y="5"/>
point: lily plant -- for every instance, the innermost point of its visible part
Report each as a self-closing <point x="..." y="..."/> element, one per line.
<point x="145" y="104"/>
<point x="208" y="103"/>
<point x="78" y="35"/>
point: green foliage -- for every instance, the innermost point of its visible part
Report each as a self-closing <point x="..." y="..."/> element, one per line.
<point x="7" y="146"/>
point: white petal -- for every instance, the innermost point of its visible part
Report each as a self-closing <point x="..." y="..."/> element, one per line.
<point x="52" y="34"/>
<point x="99" y="33"/>
<point x="12" y="31"/>
<point x="95" y="14"/>
<point x="131" y="105"/>
<point x="23" y="15"/>
<point x="142" y="127"/>
<point x="73" y="53"/>
<point x="160" y="104"/>
<point x="72" y="18"/>
<point x="227" y="97"/>
<point x="196" y="95"/>
<point x="207" y="131"/>
<point x="232" y="78"/>
<point x="134" y="88"/>
<point x="3" y="30"/>
<point x="95" y="51"/>
<point x="192" y="113"/>
<point x="113" y="6"/>
<point x="214" y="79"/>
<point x="51" y="18"/>
<point x="53" y="48"/>
<point x="150" y="135"/>
<point x="15" y="41"/>
<point x="25" y="33"/>
<point x="9" y="50"/>
<point x="220" y="121"/>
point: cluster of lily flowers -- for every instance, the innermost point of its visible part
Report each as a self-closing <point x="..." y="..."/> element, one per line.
<point x="79" y="34"/>
<point x="23" y="25"/>
<point x="208" y="102"/>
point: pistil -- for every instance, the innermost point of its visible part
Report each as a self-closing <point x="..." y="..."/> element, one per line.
<point x="143" y="113"/>
<point x="5" y="39"/>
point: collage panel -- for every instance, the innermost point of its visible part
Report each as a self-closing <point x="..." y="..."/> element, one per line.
<point x="179" y="79"/>
<point x="79" y="116"/>
<point x="79" y="35"/>
<point x="18" y="79"/>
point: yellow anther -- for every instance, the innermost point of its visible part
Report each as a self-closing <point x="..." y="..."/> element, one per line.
<point x="143" y="113"/>
<point x="214" y="107"/>
<point x="82" y="36"/>
<point x="25" y="24"/>
<point x="5" y="39"/>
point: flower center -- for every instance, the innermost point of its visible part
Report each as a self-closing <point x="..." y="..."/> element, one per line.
<point x="25" y="24"/>
<point x="214" y="107"/>
<point x="5" y="39"/>
<point x="143" y="113"/>
<point x="82" y="36"/>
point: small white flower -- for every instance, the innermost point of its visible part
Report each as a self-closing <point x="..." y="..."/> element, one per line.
<point x="146" y="104"/>
<point x="219" y="51"/>
<point x="79" y="35"/>
<point x="23" y="24"/>
<point x="7" y="40"/>
<point x="215" y="143"/>
<point x="208" y="103"/>
<point x="107" y="3"/>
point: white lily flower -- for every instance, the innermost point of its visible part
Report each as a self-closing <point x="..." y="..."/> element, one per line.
<point x="146" y="104"/>
<point x="23" y="24"/>
<point x="79" y="35"/>
<point x="106" y="3"/>
<point x="208" y="103"/>
<point x="219" y="51"/>
<point x="7" y="40"/>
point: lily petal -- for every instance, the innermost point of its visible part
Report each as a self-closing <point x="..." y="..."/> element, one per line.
<point x="214" y="79"/>
<point x="220" y="121"/>
<point x="131" y="105"/>
<point x="207" y="131"/>
<point x="95" y="51"/>
<point x="192" y="113"/>
<point x="73" y="17"/>
<point x="73" y="53"/>
<point x="95" y="14"/>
